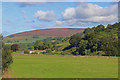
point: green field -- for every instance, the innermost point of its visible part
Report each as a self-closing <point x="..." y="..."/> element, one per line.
<point x="24" y="39"/>
<point x="41" y="66"/>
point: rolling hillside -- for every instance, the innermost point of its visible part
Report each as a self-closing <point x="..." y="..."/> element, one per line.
<point x="55" y="32"/>
<point x="32" y="36"/>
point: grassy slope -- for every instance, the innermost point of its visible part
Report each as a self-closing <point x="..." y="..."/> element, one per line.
<point x="42" y="33"/>
<point x="64" y="67"/>
<point x="63" y="45"/>
<point x="22" y="39"/>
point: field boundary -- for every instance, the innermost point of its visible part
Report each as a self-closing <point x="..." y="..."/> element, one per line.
<point x="66" y="56"/>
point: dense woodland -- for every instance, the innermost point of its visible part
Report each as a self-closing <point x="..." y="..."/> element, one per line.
<point x="97" y="41"/>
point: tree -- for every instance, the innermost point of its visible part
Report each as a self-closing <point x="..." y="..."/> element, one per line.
<point x="38" y="45"/>
<point x="98" y="39"/>
<point x="6" y="57"/>
<point x="48" y="51"/>
<point x="82" y="46"/>
<point x="48" y="44"/>
<point x="95" y="47"/>
<point x="26" y="52"/>
<point x="77" y="53"/>
<point x="74" y="40"/>
<point x="88" y="52"/>
<point x="14" y="47"/>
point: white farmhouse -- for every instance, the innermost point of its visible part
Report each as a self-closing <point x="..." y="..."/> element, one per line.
<point x="31" y="51"/>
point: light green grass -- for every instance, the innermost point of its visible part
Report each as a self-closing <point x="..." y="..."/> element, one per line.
<point x="22" y="39"/>
<point x="31" y="66"/>
<point x="62" y="45"/>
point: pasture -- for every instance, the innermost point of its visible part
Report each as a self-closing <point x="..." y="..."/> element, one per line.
<point x="46" y="66"/>
<point x="21" y="39"/>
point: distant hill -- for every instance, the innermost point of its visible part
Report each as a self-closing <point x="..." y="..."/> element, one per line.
<point x="54" y="32"/>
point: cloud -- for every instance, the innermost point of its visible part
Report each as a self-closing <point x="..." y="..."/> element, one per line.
<point x="69" y="13"/>
<point x="24" y="4"/>
<point x="86" y="13"/>
<point x="45" y="15"/>
<point x="59" y="22"/>
<point x="60" y="0"/>
<point x="41" y="26"/>
<point x="103" y="19"/>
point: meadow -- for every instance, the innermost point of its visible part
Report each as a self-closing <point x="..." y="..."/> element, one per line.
<point x="24" y="39"/>
<point x="53" y="66"/>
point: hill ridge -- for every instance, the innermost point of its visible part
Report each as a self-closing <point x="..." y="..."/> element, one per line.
<point x="50" y="32"/>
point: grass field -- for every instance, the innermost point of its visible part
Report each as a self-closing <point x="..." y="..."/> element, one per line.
<point x="25" y="39"/>
<point x="36" y="66"/>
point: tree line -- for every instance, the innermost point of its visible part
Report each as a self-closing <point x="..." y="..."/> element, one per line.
<point x="6" y="55"/>
<point x="98" y="40"/>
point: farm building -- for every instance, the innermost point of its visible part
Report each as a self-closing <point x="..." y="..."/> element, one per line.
<point x="38" y="51"/>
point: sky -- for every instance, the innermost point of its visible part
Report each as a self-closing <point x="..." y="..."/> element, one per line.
<point x="25" y="16"/>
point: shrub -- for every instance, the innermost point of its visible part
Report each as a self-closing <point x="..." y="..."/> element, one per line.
<point x="73" y="49"/>
<point x="77" y="53"/>
<point x="44" y="52"/>
<point x="34" y="53"/>
<point x="55" y="53"/>
<point x="88" y="52"/>
<point x="98" y="53"/>
<point x="40" y="52"/>
<point x="6" y="57"/>
<point x="26" y="52"/>
<point x="14" y="47"/>
<point x="67" y="52"/>
<point x="62" y="53"/>
<point x="48" y="50"/>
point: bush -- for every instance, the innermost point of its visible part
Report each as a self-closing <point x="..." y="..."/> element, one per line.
<point x="55" y="53"/>
<point x="34" y="53"/>
<point x="6" y="59"/>
<point x="40" y="52"/>
<point x="48" y="50"/>
<point x="88" y="52"/>
<point x="62" y="53"/>
<point x="98" y="53"/>
<point x="77" y="53"/>
<point x="14" y="47"/>
<point x="73" y="49"/>
<point x="44" y="52"/>
<point x="26" y="52"/>
<point x="67" y="52"/>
